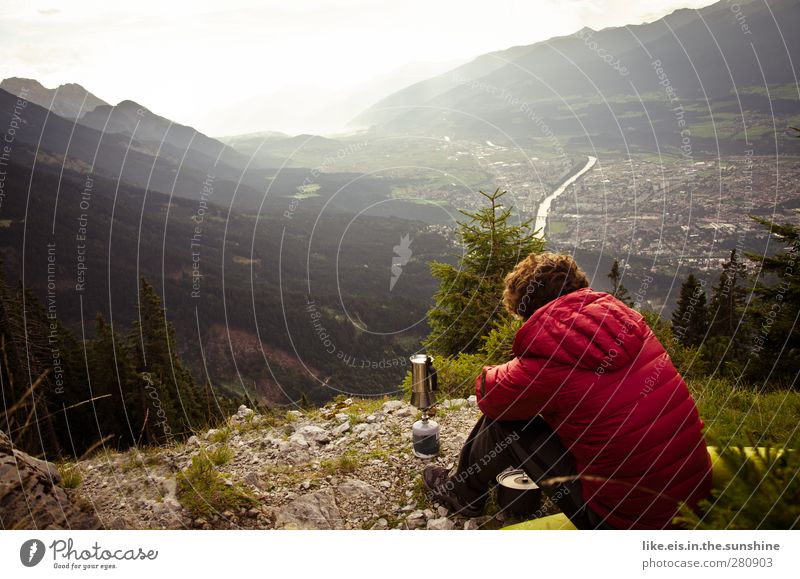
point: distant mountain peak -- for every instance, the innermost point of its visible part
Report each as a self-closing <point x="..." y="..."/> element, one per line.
<point x="68" y="100"/>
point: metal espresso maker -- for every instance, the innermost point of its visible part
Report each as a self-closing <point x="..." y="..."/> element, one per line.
<point x="424" y="384"/>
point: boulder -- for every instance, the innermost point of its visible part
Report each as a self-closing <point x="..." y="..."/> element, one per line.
<point x="316" y="510"/>
<point x="30" y="497"/>
<point x="357" y="490"/>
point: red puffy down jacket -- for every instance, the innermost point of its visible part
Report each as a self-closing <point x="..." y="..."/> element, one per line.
<point x="600" y="378"/>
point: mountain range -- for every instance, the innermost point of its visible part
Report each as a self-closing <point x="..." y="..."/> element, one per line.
<point x="70" y="101"/>
<point x="725" y="68"/>
<point x="122" y="193"/>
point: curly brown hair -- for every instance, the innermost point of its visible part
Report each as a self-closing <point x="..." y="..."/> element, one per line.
<point x="540" y="278"/>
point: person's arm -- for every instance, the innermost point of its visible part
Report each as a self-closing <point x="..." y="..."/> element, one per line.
<point x="512" y="391"/>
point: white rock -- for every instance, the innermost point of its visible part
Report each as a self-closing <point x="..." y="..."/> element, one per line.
<point x="471" y="525"/>
<point x="371" y="418"/>
<point x="311" y="511"/>
<point x="380" y="524"/>
<point x="244" y="412"/>
<point x="440" y="524"/>
<point x="405" y="411"/>
<point x="442" y="511"/>
<point x="295" y="414"/>
<point x="342" y="428"/>
<point x="168" y="487"/>
<point x="193" y="441"/>
<point x="342" y="417"/>
<point x="385" y="484"/>
<point x="472" y="401"/>
<point x="298" y="440"/>
<point x="313" y="433"/>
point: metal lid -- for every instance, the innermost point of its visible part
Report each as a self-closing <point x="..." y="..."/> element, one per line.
<point x="516" y="479"/>
<point x="420" y="359"/>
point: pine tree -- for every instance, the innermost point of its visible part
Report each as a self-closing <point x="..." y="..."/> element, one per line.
<point x="690" y="319"/>
<point x="468" y="303"/>
<point x="42" y="377"/>
<point x="113" y="377"/>
<point x="775" y="322"/>
<point x="618" y="290"/>
<point x="728" y="297"/>
<point x="167" y="390"/>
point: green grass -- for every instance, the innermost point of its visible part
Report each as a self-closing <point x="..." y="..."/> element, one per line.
<point x="142" y="457"/>
<point x="346" y="463"/>
<point x="220" y="455"/>
<point x="740" y="414"/>
<point x="71" y="477"/>
<point x="221" y="435"/>
<point x="419" y="495"/>
<point x="203" y="490"/>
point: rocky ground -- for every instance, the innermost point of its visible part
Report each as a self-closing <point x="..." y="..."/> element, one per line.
<point x="348" y="465"/>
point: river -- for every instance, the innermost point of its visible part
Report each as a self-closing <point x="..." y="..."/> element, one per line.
<point x="544" y="207"/>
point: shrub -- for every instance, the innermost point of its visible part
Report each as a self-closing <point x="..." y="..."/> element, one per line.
<point x="764" y="493"/>
<point x="202" y="490"/>
<point x="456" y="375"/>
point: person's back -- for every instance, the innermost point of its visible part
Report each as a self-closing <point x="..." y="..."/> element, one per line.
<point x="604" y="383"/>
<point x="590" y="399"/>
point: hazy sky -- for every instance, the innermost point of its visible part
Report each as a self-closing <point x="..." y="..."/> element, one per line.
<point x="185" y="60"/>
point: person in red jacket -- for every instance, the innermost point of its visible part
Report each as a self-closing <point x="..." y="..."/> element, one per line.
<point x="592" y="399"/>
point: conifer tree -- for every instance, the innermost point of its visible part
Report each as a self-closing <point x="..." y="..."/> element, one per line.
<point x="690" y="319"/>
<point x="775" y="321"/>
<point x="618" y="290"/>
<point x="167" y="389"/>
<point x="468" y="303"/>
<point x="42" y="377"/>
<point x="113" y="377"/>
<point x="728" y="297"/>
